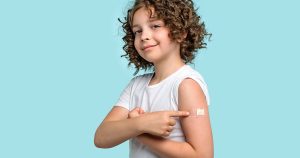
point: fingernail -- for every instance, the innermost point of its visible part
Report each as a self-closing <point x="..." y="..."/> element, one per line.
<point x="187" y="113"/>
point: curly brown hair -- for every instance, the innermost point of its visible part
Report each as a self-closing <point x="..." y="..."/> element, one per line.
<point x="179" y="16"/>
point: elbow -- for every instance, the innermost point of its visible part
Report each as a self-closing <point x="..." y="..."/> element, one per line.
<point x="205" y="152"/>
<point x="100" y="142"/>
<point x="204" y="155"/>
<point x="200" y="153"/>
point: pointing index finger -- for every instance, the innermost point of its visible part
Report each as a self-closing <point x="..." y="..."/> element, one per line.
<point x="178" y="113"/>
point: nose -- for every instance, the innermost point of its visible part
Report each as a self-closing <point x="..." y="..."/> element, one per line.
<point x="146" y="35"/>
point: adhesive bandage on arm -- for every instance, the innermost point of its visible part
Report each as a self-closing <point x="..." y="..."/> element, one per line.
<point x="198" y="112"/>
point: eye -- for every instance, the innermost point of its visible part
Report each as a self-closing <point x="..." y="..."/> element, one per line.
<point x="155" y="26"/>
<point x="137" y="32"/>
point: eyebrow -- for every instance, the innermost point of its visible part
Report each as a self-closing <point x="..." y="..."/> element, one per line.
<point x="150" y="20"/>
<point x="134" y="26"/>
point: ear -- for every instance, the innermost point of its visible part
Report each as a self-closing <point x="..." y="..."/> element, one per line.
<point x="183" y="36"/>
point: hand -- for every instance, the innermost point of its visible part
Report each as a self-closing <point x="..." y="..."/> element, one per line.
<point x="158" y="123"/>
<point x="135" y="112"/>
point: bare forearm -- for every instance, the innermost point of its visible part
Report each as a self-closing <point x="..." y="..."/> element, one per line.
<point x="168" y="148"/>
<point x="112" y="133"/>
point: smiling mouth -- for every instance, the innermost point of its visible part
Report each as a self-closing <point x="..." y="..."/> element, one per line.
<point x="149" y="46"/>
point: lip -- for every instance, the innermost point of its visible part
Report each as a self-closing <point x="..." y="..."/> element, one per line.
<point x="148" y="46"/>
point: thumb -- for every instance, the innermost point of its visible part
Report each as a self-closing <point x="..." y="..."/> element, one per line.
<point x="134" y="113"/>
<point x="141" y="111"/>
<point x="135" y="110"/>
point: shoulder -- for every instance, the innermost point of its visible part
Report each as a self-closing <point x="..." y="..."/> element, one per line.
<point x="189" y="76"/>
<point x="189" y="72"/>
<point x="190" y="83"/>
<point x="190" y="90"/>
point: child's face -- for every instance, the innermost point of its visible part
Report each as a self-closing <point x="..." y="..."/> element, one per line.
<point x="152" y="40"/>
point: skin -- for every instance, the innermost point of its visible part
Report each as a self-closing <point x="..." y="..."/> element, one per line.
<point x="153" y="44"/>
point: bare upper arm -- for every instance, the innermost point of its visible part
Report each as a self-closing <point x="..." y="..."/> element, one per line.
<point x="197" y="129"/>
<point x="117" y="113"/>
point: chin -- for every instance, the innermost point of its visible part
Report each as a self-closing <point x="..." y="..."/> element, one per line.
<point x="147" y="58"/>
<point x="151" y="57"/>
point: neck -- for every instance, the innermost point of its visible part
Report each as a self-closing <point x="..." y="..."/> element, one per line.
<point x="166" y="68"/>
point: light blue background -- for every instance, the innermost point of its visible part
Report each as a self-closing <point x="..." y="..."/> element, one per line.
<point x="61" y="71"/>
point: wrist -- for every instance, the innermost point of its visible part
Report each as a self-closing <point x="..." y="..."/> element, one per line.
<point x="138" y="125"/>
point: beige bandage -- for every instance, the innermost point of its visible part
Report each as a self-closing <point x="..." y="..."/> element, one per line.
<point x="200" y="112"/>
<point x="197" y="112"/>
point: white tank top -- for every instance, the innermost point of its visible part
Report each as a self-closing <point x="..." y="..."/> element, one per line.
<point x="159" y="97"/>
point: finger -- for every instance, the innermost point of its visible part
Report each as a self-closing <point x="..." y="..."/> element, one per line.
<point x="141" y="111"/>
<point x="135" y="109"/>
<point x="166" y="134"/>
<point x="178" y="113"/>
<point x="134" y="113"/>
<point x="170" y="128"/>
<point x="172" y="122"/>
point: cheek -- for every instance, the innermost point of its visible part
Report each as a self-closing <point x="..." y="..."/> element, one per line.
<point x="136" y="44"/>
<point x="162" y="37"/>
<point x="137" y="47"/>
